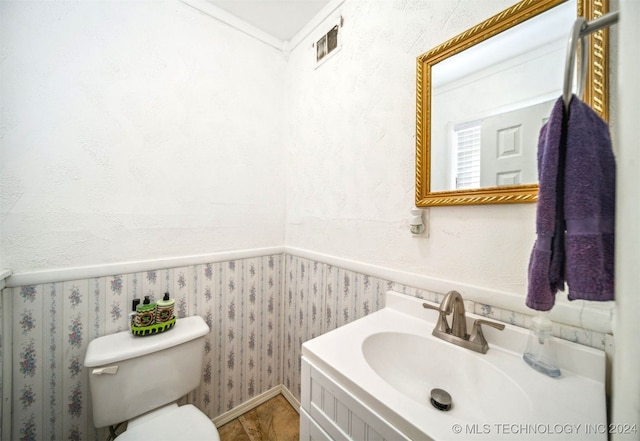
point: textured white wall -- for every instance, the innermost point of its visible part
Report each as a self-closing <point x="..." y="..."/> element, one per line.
<point x="149" y="130"/>
<point x="350" y="131"/>
<point x="133" y="131"/>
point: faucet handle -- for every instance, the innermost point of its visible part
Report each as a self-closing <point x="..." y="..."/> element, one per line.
<point x="442" y="324"/>
<point x="478" y="337"/>
<point x="479" y="322"/>
<point x="428" y="306"/>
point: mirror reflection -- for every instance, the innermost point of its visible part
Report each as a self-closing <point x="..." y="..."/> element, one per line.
<point x="489" y="102"/>
<point x="483" y="97"/>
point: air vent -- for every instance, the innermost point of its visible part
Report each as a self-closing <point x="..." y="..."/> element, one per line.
<point x="328" y="44"/>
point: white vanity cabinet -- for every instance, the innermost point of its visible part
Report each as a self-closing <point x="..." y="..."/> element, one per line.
<point x="329" y="412"/>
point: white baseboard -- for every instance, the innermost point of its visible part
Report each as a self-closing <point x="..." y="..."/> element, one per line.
<point x="253" y="403"/>
<point x="290" y="398"/>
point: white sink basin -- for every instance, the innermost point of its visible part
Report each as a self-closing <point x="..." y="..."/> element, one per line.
<point x="414" y="365"/>
<point x="390" y="362"/>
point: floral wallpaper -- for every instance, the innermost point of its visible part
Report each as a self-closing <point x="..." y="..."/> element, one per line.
<point x="260" y="311"/>
<point x="54" y="323"/>
<point x="318" y="298"/>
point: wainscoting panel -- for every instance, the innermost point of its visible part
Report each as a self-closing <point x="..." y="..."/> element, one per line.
<point x="54" y="322"/>
<point x="319" y="298"/>
<point x="260" y="308"/>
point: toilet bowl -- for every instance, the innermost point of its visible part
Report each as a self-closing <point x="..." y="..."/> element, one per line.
<point x="172" y="422"/>
<point x="139" y="379"/>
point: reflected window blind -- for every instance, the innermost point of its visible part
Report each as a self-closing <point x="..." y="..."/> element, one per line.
<point x="467" y="147"/>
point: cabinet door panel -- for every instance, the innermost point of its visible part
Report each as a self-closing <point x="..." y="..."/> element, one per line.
<point x="339" y="414"/>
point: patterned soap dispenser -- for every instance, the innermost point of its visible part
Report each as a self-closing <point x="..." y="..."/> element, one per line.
<point x="164" y="312"/>
<point x="145" y="313"/>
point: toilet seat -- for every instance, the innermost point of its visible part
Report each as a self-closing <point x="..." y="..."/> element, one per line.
<point x="172" y="423"/>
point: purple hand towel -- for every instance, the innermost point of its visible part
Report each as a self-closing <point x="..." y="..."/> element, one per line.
<point x="575" y="215"/>
<point x="589" y="205"/>
<point x="546" y="264"/>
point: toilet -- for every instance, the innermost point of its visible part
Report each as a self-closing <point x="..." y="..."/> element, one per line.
<point x="139" y="380"/>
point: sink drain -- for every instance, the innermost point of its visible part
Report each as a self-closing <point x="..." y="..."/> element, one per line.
<point x="440" y="399"/>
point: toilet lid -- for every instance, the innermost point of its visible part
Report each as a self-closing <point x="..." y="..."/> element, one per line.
<point x="185" y="423"/>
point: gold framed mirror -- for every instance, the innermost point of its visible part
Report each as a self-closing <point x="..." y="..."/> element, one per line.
<point x="463" y="97"/>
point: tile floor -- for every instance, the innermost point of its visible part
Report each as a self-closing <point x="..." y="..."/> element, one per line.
<point x="273" y="420"/>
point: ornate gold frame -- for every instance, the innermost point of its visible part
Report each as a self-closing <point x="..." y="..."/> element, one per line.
<point x="596" y="95"/>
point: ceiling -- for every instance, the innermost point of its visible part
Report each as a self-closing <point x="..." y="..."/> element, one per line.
<point x="279" y="18"/>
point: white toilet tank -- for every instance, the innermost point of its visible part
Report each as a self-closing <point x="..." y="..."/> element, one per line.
<point x="131" y="375"/>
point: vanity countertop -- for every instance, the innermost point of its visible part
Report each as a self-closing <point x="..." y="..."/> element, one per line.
<point x="572" y="406"/>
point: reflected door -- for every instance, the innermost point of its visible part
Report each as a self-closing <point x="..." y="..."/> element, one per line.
<point x="509" y="146"/>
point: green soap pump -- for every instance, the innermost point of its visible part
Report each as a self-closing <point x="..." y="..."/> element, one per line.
<point x="165" y="309"/>
<point x="146" y="313"/>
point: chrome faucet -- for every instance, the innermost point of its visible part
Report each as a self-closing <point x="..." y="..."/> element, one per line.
<point x="453" y="304"/>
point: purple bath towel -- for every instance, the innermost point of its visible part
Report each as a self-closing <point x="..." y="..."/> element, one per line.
<point x="576" y="208"/>
<point x="546" y="264"/>
<point x="589" y="200"/>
